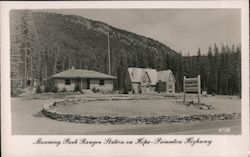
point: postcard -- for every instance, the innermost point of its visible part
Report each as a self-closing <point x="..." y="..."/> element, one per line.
<point x="125" y="78"/>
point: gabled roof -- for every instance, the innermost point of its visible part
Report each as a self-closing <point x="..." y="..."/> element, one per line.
<point x="136" y="74"/>
<point x="164" y="75"/>
<point x="81" y="73"/>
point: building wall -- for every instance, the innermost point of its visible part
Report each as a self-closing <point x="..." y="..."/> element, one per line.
<point x="94" y="83"/>
<point x="145" y="83"/>
<point x="170" y="84"/>
<point x="170" y="87"/>
<point x="135" y="87"/>
<point x="60" y="83"/>
<point x="108" y="85"/>
<point x="84" y="84"/>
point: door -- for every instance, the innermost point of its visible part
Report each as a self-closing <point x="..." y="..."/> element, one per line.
<point x="84" y="84"/>
<point x="88" y="83"/>
<point x="161" y="87"/>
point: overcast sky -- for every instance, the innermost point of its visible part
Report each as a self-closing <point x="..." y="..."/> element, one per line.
<point x="181" y="29"/>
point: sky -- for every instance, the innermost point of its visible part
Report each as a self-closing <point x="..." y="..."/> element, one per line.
<point x="183" y="30"/>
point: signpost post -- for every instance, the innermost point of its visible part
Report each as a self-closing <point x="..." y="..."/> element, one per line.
<point x="192" y="85"/>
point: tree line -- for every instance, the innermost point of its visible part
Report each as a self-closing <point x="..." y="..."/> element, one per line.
<point x="219" y="68"/>
<point x="43" y="44"/>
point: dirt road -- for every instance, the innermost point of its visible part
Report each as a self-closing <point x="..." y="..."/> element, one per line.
<point x="26" y="120"/>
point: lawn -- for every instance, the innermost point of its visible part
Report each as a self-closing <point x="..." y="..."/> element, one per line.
<point x="145" y="107"/>
<point x="27" y="119"/>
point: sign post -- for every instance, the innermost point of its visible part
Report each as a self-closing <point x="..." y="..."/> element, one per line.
<point x="199" y="89"/>
<point x="184" y="90"/>
<point x="192" y="85"/>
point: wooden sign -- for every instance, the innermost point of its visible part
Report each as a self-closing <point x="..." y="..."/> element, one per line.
<point x="192" y="85"/>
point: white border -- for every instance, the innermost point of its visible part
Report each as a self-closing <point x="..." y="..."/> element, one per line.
<point x="222" y="145"/>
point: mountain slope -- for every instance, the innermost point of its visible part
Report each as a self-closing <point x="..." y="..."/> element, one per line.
<point x="43" y="44"/>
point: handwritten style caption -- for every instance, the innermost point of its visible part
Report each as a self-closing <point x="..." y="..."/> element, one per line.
<point x="143" y="141"/>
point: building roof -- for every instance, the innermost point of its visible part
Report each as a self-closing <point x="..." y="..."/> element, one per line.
<point x="82" y="73"/>
<point x="136" y="75"/>
<point x="164" y="75"/>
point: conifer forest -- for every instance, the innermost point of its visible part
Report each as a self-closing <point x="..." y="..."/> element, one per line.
<point x="43" y="44"/>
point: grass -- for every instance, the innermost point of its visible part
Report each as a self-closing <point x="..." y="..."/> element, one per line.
<point x="27" y="120"/>
<point x="145" y="107"/>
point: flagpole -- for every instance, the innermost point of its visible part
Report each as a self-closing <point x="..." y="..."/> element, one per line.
<point x="109" y="54"/>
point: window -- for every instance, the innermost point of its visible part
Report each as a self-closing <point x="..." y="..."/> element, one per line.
<point x="67" y="82"/>
<point x="101" y="82"/>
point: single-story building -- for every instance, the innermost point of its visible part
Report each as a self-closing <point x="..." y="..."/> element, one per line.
<point x="86" y="79"/>
<point x="145" y="80"/>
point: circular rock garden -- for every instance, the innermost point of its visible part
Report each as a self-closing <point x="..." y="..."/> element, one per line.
<point x="104" y="112"/>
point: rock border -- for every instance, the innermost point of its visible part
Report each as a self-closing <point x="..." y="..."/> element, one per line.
<point x="116" y="120"/>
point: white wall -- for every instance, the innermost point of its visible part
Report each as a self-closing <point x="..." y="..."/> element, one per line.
<point x="84" y="84"/>
<point x="170" y="82"/>
<point x="108" y="85"/>
<point x="135" y="87"/>
<point x="60" y="83"/>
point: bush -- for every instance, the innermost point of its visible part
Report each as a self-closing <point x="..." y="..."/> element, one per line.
<point x="49" y="86"/>
<point x="17" y="91"/>
<point x="64" y="90"/>
<point x="125" y="91"/>
<point x="77" y="88"/>
<point x="55" y="89"/>
<point x="38" y="89"/>
<point x="140" y="92"/>
<point x="95" y="90"/>
<point x="47" y="89"/>
<point x="133" y="91"/>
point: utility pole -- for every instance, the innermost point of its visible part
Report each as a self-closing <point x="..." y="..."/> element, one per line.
<point x="109" y="54"/>
<point x="184" y="89"/>
<point x="25" y="67"/>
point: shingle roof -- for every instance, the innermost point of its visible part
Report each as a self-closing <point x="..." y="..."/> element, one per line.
<point x="81" y="73"/>
<point x="164" y="75"/>
<point x="136" y="74"/>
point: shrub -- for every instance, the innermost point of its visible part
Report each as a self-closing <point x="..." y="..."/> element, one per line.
<point x="133" y="91"/>
<point x="47" y="89"/>
<point x="125" y="91"/>
<point x="17" y="91"/>
<point x="95" y="90"/>
<point x="55" y="89"/>
<point x="77" y="88"/>
<point x="38" y="89"/>
<point x="64" y="90"/>
<point x="140" y="92"/>
<point x="49" y="86"/>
